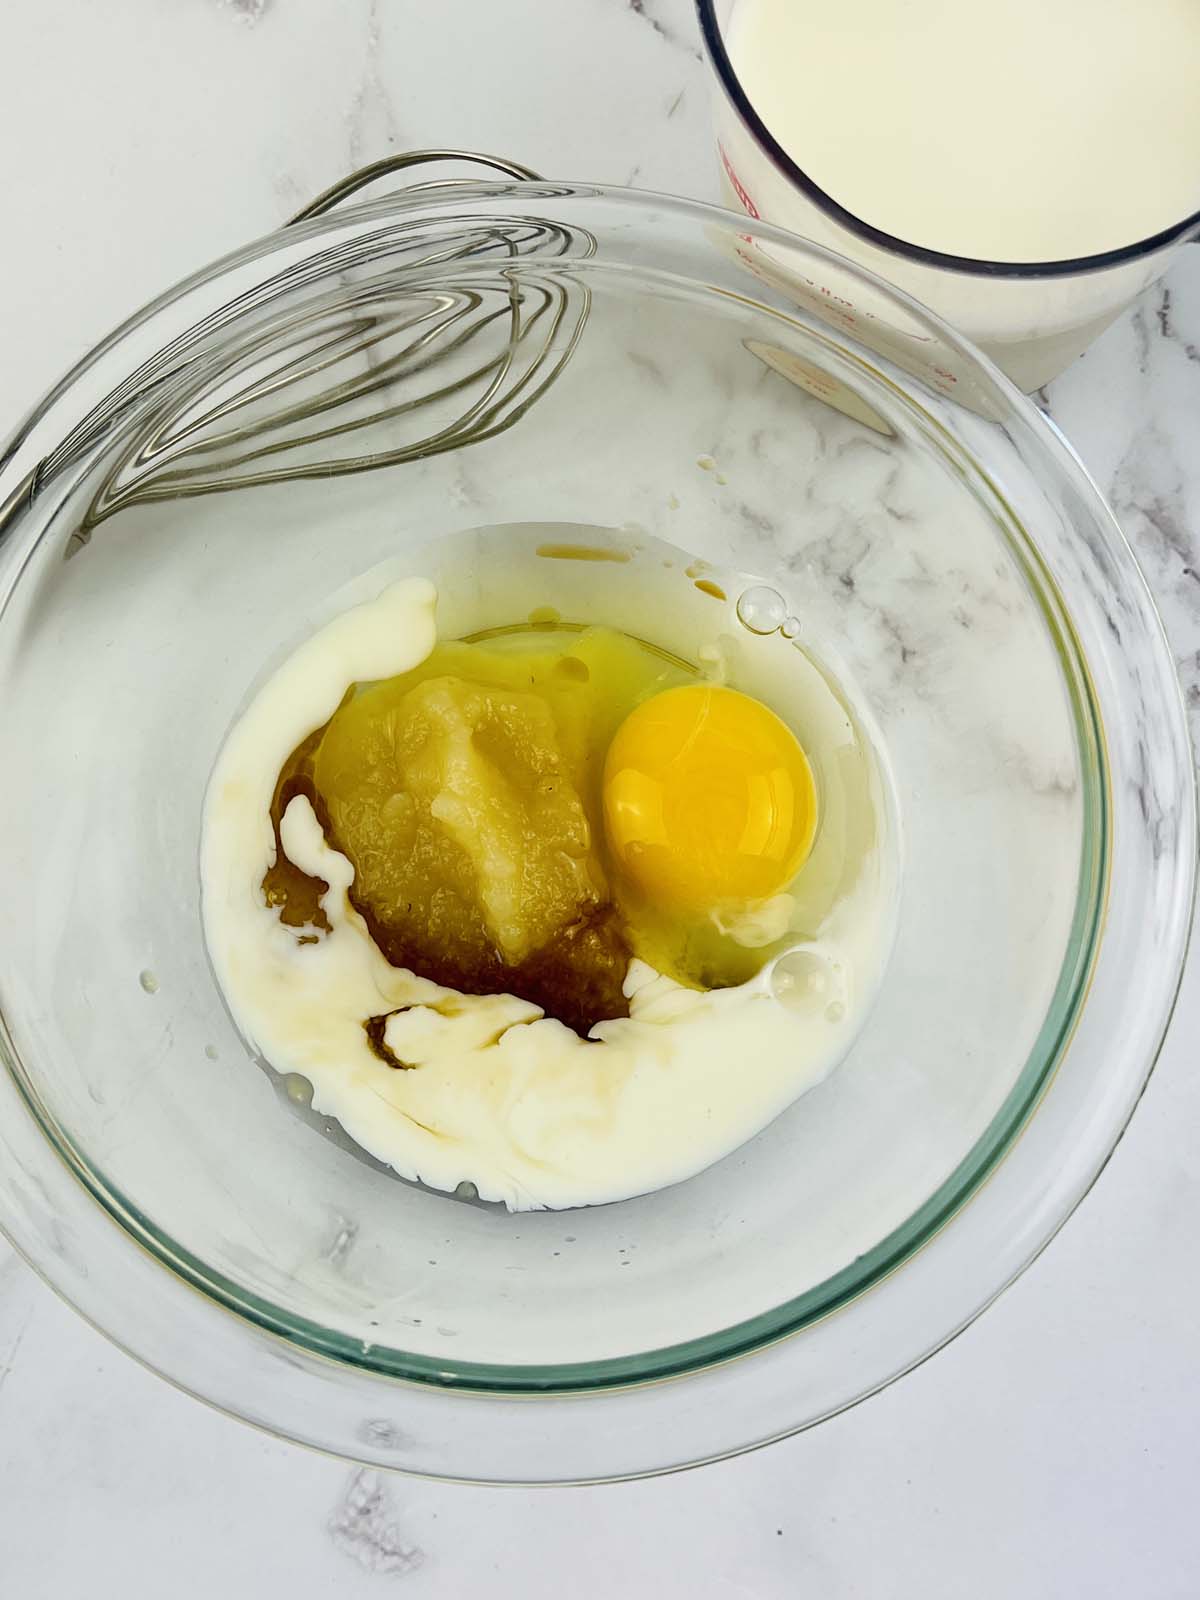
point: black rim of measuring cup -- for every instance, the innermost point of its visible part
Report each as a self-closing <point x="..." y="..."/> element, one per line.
<point x="719" y="57"/>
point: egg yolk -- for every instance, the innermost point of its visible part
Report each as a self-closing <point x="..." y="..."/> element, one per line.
<point x="708" y="798"/>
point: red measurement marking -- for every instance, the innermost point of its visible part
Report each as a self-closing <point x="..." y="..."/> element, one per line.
<point x="747" y="203"/>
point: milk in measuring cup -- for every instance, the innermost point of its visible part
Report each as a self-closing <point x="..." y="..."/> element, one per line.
<point x="1031" y="131"/>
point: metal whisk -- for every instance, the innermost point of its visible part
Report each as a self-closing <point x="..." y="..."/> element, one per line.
<point x="424" y="344"/>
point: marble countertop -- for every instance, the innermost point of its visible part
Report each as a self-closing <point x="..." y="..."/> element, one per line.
<point x="1054" y="1448"/>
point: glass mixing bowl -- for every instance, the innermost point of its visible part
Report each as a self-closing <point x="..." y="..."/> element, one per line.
<point x="199" y="493"/>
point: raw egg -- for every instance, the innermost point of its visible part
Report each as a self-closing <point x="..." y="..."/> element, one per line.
<point x="708" y="798"/>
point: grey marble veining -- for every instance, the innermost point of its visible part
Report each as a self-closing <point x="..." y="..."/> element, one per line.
<point x="372" y="121"/>
<point x="367" y="1526"/>
<point x="1135" y="427"/>
<point x="664" y="21"/>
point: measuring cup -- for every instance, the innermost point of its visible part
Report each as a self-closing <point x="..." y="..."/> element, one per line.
<point x="1032" y="318"/>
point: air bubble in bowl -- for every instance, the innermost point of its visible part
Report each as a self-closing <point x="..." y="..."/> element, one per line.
<point x="299" y="1089"/>
<point x="809" y="984"/>
<point x="761" y="610"/>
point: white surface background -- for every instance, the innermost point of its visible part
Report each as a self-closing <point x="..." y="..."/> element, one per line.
<point x="1054" y="1449"/>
